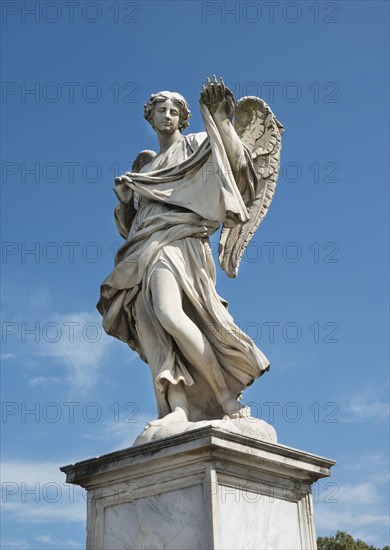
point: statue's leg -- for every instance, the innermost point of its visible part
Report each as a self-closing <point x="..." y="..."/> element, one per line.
<point x="167" y="303"/>
<point x="179" y="406"/>
<point x="176" y="396"/>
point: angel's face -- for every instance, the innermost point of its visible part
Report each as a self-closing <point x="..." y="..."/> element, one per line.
<point x="166" y="117"/>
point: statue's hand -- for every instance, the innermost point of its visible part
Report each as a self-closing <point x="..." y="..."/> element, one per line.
<point x="218" y="99"/>
<point x="123" y="179"/>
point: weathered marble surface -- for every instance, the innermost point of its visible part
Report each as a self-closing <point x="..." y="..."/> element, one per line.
<point x="206" y="489"/>
<point x="250" y="427"/>
<point x="172" y="519"/>
<point x="271" y="524"/>
<point x="161" y="297"/>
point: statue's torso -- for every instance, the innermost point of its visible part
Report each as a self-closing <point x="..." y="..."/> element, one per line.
<point x="176" y="154"/>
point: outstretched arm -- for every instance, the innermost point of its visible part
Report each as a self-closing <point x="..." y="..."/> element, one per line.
<point x="219" y="101"/>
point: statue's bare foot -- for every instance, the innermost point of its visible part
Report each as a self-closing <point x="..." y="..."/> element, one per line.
<point x="233" y="409"/>
<point x="178" y="415"/>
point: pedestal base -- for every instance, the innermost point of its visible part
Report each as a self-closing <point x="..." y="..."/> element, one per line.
<point x="203" y="489"/>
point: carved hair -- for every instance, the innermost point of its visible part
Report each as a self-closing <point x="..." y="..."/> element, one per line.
<point x="177" y="99"/>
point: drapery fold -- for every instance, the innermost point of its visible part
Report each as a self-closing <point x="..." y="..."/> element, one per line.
<point x="184" y="196"/>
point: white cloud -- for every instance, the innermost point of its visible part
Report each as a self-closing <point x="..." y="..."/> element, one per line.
<point x="30" y="473"/>
<point x="38" y="512"/>
<point x="365" y="406"/>
<point x="37" y="493"/>
<point x="365" y="493"/>
<point x="74" y="343"/>
<point x="6" y="356"/>
<point x="78" y="342"/>
<point x="44" y="380"/>
<point x="58" y="543"/>
<point x="119" y="435"/>
<point x="360" y="525"/>
<point x="368" y="461"/>
<point x="344" y="520"/>
<point x="14" y="544"/>
<point x="40" y="298"/>
<point x="359" y="507"/>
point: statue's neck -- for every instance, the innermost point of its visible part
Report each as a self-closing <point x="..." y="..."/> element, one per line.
<point x="166" y="140"/>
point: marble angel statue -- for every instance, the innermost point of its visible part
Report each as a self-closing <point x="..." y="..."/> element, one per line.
<point x="161" y="297"/>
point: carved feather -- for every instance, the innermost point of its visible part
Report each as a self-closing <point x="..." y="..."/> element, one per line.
<point x="261" y="132"/>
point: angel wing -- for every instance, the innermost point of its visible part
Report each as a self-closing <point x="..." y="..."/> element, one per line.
<point x="125" y="211"/>
<point x="261" y="132"/>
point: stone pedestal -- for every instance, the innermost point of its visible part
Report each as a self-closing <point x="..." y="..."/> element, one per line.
<point x="206" y="489"/>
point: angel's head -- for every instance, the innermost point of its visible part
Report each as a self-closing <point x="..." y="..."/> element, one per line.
<point x="173" y="99"/>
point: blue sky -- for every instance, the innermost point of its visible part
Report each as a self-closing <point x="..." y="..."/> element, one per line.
<point x="312" y="289"/>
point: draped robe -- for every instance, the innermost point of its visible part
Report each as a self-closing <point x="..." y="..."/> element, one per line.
<point x="182" y="197"/>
